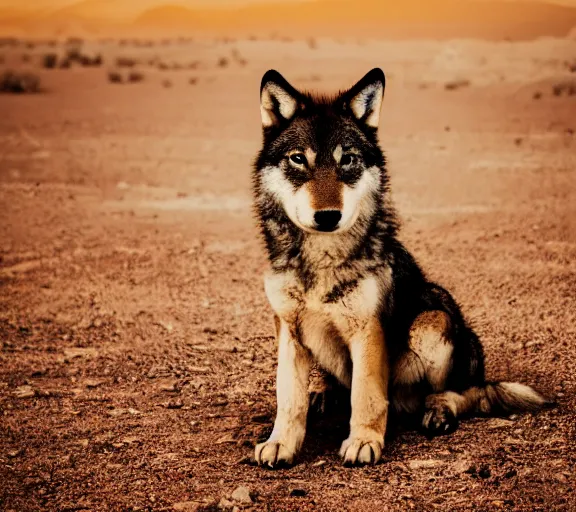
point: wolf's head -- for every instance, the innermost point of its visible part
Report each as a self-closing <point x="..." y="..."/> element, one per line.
<point x="321" y="164"/>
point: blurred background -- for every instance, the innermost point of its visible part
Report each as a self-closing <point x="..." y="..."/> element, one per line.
<point x="137" y="359"/>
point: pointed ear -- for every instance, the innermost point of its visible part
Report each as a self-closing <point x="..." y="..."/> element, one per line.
<point x="279" y="101"/>
<point x="364" y="100"/>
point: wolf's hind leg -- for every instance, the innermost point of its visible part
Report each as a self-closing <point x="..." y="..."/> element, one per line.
<point x="428" y="362"/>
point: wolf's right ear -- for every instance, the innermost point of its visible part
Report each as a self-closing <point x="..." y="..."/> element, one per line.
<point x="279" y="101"/>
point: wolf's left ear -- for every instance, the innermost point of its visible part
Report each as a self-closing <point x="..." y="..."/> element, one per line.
<point x="364" y="100"/>
<point x="279" y="101"/>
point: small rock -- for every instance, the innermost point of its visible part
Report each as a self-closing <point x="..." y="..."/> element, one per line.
<point x="298" y="493"/>
<point x="242" y="495"/>
<point x="424" y="464"/>
<point x="94" y="383"/>
<point x="225" y="504"/>
<point x="318" y="464"/>
<point x="14" y="453"/>
<point x="169" y="386"/>
<point x="509" y="474"/>
<point x="122" y="185"/>
<point x="499" y="423"/>
<point x="175" y="404"/>
<point x="186" y="506"/>
<point x="24" y="392"/>
<point x="73" y="353"/>
<point x="225" y="439"/>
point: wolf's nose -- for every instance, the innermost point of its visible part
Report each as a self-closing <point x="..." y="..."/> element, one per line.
<point x="327" y="220"/>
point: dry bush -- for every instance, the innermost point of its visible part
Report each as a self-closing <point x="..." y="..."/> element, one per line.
<point x="193" y="65"/>
<point x="456" y="84"/>
<point x="12" y="82"/>
<point x="50" y="60"/>
<point x="166" y="83"/>
<point x="537" y="95"/>
<point x="567" y="88"/>
<point x="90" y="60"/>
<point x="115" y="78"/>
<point x="162" y="66"/>
<point x="135" y="77"/>
<point x="26" y="57"/>
<point x="312" y="43"/>
<point x="193" y="80"/>
<point x="64" y="64"/>
<point x="223" y="62"/>
<point x="126" y="62"/>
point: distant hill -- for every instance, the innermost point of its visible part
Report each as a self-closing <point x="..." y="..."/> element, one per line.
<point x="374" y="18"/>
<point x="440" y="19"/>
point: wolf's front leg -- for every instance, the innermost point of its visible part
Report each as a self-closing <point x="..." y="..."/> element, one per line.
<point x="294" y="363"/>
<point x="369" y="396"/>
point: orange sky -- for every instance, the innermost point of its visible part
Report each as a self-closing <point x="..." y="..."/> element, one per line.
<point x="34" y="4"/>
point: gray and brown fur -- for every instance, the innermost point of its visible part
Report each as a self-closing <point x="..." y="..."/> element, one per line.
<point x="347" y="296"/>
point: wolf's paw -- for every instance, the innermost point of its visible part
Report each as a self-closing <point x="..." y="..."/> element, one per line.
<point x="360" y="451"/>
<point x="438" y="420"/>
<point x="273" y="454"/>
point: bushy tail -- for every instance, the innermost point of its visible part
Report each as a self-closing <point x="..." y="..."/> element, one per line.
<point x="504" y="397"/>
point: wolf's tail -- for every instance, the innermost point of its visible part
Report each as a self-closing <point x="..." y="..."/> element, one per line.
<point x="503" y="397"/>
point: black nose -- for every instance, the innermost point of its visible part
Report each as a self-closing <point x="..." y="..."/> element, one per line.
<point x="327" y="220"/>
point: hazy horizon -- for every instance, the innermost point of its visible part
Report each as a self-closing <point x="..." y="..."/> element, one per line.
<point x="143" y="4"/>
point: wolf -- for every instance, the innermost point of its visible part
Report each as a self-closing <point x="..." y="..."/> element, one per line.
<point x="347" y="296"/>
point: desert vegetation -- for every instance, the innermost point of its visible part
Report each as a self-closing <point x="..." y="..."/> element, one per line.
<point x="15" y="82"/>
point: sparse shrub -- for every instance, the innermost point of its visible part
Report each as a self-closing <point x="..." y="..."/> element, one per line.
<point x="312" y="43"/>
<point x="114" y="77"/>
<point x="2" y="59"/>
<point x="25" y="57"/>
<point x="50" y="60"/>
<point x="166" y="83"/>
<point x="162" y="66"/>
<point x="135" y="77"/>
<point x="193" y="65"/>
<point x="537" y="95"/>
<point x="19" y="83"/>
<point x="74" y="54"/>
<point x="222" y="62"/>
<point x="567" y="88"/>
<point x="90" y="60"/>
<point x="65" y="64"/>
<point x="193" y="80"/>
<point x="126" y="62"/>
<point x="456" y="84"/>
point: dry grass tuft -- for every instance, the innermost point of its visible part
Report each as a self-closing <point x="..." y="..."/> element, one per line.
<point x="12" y="82"/>
<point x="454" y="85"/>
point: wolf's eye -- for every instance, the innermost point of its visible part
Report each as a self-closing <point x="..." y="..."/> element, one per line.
<point x="346" y="160"/>
<point x="298" y="158"/>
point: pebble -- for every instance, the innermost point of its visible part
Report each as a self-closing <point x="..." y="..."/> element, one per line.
<point x="24" y="392"/>
<point x="186" y="506"/>
<point x="242" y="495"/>
<point x="94" y="383"/>
<point x="424" y="464"/>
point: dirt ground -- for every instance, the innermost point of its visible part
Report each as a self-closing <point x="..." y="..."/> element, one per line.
<point x="136" y="352"/>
